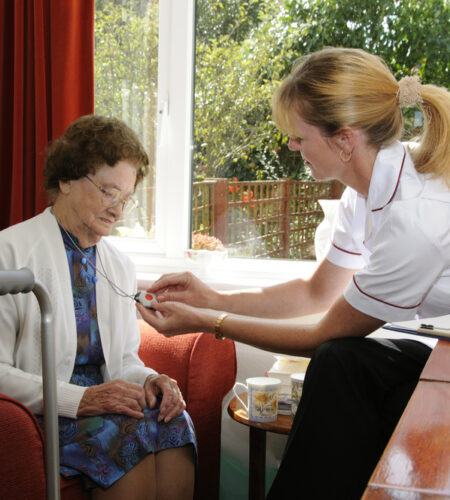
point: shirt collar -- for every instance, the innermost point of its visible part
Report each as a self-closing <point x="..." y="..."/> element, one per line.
<point x="386" y="174"/>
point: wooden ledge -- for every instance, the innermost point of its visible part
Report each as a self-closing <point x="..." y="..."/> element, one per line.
<point x="438" y="365"/>
<point x="416" y="461"/>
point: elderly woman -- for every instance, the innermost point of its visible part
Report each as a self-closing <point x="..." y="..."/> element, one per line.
<point x="388" y="260"/>
<point x="122" y="426"/>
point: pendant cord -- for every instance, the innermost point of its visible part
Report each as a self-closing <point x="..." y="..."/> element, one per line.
<point x="115" y="288"/>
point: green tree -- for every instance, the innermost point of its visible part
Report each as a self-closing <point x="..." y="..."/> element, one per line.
<point x="233" y="18"/>
<point x="236" y="75"/>
<point x="126" y="62"/>
<point x="406" y="34"/>
<point x="126" y="49"/>
<point x="235" y="79"/>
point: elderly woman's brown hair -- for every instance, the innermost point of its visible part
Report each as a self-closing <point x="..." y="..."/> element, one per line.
<point x="88" y="143"/>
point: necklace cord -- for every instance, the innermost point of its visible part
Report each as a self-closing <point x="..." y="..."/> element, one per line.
<point x="115" y="288"/>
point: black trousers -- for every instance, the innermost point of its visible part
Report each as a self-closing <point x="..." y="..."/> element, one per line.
<point x="354" y="393"/>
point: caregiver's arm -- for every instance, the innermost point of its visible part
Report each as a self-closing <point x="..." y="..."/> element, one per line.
<point x="297" y="297"/>
<point x="342" y="320"/>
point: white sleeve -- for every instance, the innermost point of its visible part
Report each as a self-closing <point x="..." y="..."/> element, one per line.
<point x="134" y="369"/>
<point x="348" y="232"/>
<point x="117" y="318"/>
<point x="20" y="348"/>
<point x="403" y="267"/>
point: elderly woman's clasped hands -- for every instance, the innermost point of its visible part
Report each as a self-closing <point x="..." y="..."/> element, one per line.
<point x="128" y="398"/>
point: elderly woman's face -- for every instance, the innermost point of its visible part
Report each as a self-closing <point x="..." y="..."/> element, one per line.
<point x="90" y="207"/>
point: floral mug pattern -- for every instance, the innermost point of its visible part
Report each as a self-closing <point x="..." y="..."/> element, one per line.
<point x="296" y="390"/>
<point x="262" y="398"/>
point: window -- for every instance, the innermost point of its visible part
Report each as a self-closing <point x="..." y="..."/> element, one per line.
<point x="237" y="28"/>
<point x="163" y="250"/>
<point x="169" y="38"/>
<point x="249" y="190"/>
<point x="154" y="96"/>
<point x="126" y="86"/>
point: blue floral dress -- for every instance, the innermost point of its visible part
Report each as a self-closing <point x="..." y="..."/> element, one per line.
<point x="103" y="448"/>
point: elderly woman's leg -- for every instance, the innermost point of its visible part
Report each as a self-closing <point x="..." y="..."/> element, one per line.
<point x="138" y="484"/>
<point x="168" y="475"/>
<point x="175" y="473"/>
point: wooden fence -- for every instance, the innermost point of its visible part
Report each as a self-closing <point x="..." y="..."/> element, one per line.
<point x="276" y="219"/>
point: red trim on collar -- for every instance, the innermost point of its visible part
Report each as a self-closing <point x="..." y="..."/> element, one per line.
<point x="384" y="302"/>
<point x="398" y="182"/>
<point x="342" y="250"/>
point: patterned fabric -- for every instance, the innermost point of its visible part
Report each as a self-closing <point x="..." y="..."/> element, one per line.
<point x="103" y="448"/>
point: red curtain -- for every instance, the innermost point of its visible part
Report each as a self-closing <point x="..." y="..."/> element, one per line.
<point x="46" y="82"/>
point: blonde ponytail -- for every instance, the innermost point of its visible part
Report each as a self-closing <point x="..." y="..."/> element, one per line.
<point x="432" y="154"/>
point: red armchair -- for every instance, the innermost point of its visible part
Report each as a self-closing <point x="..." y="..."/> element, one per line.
<point x="205" y="369"/>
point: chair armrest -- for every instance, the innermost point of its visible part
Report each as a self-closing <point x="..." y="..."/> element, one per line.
<point x="170" y="356"/>
<point x="198" y="361"/>
<point x="205" y="369"/>
<point x="22" y="472"/>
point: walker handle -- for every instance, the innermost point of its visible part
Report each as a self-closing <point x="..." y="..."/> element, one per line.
<point x="17" y="281"/>
<point x="23" y="281"/>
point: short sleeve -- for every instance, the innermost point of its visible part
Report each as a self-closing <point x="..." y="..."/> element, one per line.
<point x="347" y="235"/>
<point x="403" y="267"/>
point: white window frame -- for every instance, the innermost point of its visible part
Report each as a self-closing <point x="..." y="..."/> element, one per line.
<point x="165" y="253"/>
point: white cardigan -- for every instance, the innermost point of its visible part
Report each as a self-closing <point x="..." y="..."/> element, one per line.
<point x="38" y="245"/>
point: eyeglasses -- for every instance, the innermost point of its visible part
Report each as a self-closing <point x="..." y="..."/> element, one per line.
<point x="113" y="196"/>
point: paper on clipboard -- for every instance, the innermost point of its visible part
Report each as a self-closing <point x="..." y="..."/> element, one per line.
<point x="437" y="327"/>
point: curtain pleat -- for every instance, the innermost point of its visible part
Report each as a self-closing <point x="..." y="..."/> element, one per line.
<point x="46" y="82"/>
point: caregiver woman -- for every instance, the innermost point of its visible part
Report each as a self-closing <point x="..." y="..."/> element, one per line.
<point x="122" y="426"/>
<point x="388" y="260"/>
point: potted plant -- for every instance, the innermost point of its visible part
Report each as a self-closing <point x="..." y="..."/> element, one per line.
<point x="206" y="252"/>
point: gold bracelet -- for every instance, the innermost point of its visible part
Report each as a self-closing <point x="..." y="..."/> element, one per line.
<point x="218" y="324"/>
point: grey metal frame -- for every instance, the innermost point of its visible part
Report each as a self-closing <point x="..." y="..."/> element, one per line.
<point x="23" y="281"/>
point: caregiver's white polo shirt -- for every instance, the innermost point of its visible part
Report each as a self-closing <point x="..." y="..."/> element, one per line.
<point x="399" y="239"/>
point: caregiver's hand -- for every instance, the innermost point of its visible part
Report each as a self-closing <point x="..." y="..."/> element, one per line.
<point x="116" y="396"/>
<point x="186" y="288"/>
<point x="174" y="318"/>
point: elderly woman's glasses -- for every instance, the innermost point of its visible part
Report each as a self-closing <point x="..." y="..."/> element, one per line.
<point x="113" y="196"/>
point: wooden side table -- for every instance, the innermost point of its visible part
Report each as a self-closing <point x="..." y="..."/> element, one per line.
<point x="257" y="452"/>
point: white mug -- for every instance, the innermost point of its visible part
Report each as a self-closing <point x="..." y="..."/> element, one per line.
<point x="296" y="390"/>
<point x="262" y="398"/>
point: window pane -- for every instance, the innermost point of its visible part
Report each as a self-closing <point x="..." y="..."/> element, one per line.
<point x="249" y="190"/>
<point x="244" y="48"/>
<point x="126" y="63"/>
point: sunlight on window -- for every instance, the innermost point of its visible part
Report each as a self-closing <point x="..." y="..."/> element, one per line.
<point x="249" y="190"/>
<point x="126" y="63"/>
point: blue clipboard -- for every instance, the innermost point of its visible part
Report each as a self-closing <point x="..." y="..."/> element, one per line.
<point x="436" y="328"/>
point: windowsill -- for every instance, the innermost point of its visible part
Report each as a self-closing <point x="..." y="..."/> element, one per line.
<point x="230" y="274"/>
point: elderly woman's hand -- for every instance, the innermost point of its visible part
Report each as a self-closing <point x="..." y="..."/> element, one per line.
<point x="116" y="396"/>
<point x="172" y="402"/>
